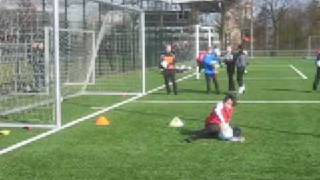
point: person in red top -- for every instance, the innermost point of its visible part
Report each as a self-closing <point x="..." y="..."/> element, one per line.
<point x="217" y="124"/>
<point x="199" y="60"/>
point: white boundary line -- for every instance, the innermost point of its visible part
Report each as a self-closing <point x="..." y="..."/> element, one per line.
<point x="211" y="102"/>
<point x="77" y="121"/>
<point x="298" y="72"/>
<point x="241" y="102"/>
<point x="268" y="78"/>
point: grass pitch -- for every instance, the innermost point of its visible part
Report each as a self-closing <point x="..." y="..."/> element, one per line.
<point x="282" y="140"/>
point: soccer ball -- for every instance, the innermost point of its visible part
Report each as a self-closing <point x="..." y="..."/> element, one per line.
<point x="226" y="132"/>
<point x="164" y="64"/>
<point x="318" y="63"/>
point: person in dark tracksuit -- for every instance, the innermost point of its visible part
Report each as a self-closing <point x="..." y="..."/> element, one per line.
<point x="167" y="66"/>
<point x="241" y="62"/>
<point x="211" y="64"/>
<point x="229" y="60"/>
<point x="317" y="76"/>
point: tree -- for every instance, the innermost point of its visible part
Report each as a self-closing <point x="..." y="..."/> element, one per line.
<point x="275" y="10"/>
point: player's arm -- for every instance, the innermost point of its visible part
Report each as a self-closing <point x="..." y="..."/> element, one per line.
<point x="218" y="111"/>
<point x="318" y="60"/>
<point x="160" y="62"/>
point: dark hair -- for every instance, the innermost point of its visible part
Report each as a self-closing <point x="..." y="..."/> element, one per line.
<point x="232" y="98"/>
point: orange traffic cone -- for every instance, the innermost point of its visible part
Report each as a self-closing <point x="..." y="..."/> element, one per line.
<point x="102" y="121"/>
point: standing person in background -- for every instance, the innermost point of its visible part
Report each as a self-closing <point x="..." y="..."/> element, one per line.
<point x="241" y="61"/>
<point x="167" y="65"/>
<point x="211" y="64"/>
<point x="229" y="60"/>
<point x="199" y="60"/>
<point x="317" y="76"/>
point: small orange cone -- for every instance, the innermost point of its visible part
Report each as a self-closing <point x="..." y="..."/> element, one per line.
<point x="102" y="121"/>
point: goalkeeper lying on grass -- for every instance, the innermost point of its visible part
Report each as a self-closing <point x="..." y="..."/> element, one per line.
<point x="217" y="124"/>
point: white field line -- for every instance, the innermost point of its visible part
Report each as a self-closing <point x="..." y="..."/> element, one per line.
<point x="77" y="121"/>
<point x="267" y="78"/>
<point x="241" y="102"/>
<point x="266" y="66"/>
<point x="211" y="102"/>
<point x="298" y="72"/>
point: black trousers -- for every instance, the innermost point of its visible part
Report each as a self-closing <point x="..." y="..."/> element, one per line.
<point x="316" y="79"/>
<point x="200" y="65"/>
<point x="212" y="131"/>
<point x="170" y="76"/>
<point x="212" y="78"/>
<point x="230" y="72"/>
<point x="240" y="73"/>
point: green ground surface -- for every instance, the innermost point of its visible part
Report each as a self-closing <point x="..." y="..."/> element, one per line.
<point x="282" y="140"/>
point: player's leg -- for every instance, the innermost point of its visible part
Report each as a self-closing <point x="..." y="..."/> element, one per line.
<point x="240" y="73"/>
<point x="216" y="83"/>
<point x="174" y="84"/>
<point x="166" y="81"/>
<point x="208" y="83"/>
<point x="316" y="79"/>
<point x="200" y="67"/>
<point x="211" y="131"/>
<point x="230" y="71"/>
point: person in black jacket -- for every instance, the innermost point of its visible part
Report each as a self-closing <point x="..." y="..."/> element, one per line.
<point x="241" y="62"/>
<point x="229" y="60"/>
<point x="317" y="76"/>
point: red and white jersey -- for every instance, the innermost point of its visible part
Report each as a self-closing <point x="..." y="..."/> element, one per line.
<point x="201" y="56"/>
<point x="219" y="114"/>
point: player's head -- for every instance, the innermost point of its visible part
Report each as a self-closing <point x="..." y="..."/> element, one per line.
<point x="318" y="51"/>
<point x="229" y="101"/>
<point x="168" y="48"/>
<point x="209" y="50"/>
<point x="229" y="49"/>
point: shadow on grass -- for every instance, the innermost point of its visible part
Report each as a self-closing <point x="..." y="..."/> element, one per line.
<point x="288" y="90"/>
<point x="281" y="131"/>
<point x="185" y="90"/>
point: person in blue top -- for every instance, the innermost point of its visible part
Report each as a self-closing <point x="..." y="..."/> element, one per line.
<point x="317" y="76"/>
<point x="211" y="64"/>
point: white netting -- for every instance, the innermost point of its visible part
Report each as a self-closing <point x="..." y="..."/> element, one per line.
<point x="25" y="87"/>
<point x="99" y="53"/>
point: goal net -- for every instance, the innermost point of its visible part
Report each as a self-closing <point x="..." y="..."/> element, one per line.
<point x="102" y="55"/>
<point x="107" y="58"/>
<point x="25" y="87"/>
<point x="77" y="48"/>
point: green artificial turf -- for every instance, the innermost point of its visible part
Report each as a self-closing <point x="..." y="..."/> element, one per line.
<point x="282" y="140"/>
